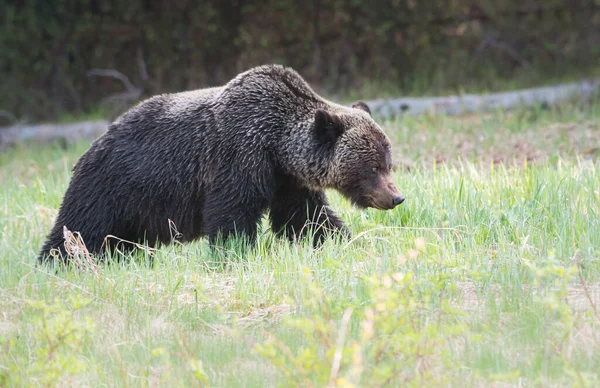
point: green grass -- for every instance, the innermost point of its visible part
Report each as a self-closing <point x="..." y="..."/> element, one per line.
<point x="488" y="273"/>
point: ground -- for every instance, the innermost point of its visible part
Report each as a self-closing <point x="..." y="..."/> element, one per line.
<point x="488" y="274"/>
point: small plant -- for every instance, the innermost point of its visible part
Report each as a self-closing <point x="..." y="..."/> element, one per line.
<point x="194" y="375"/>
<point x="551" y="280"/>
<point x="551" y="284"/>
<point x="59" y="339"/>
<point x="399" y="337"/>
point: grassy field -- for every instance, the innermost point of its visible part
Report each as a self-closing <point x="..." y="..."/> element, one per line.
<point x="488" y="274"/>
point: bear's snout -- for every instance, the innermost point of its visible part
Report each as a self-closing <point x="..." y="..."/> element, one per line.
<point x="398" y="200"/>
<point x="385" y="195"/>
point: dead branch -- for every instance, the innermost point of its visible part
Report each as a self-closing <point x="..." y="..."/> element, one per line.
<point x="113" y="74"/>
<point x="495" y="42"/>
<point x="131" y="92"/>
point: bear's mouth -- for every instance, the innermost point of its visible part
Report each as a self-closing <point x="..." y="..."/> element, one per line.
<point x="369" y="202"/>
<point x="379" y="207"/>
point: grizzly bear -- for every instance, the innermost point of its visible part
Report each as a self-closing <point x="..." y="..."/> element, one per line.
<point x="211" y="162"/>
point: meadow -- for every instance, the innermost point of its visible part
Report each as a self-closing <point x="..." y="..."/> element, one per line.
<point x="487" y="275"/>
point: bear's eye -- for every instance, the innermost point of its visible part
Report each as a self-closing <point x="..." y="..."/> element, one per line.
<point x="374" y="171"/>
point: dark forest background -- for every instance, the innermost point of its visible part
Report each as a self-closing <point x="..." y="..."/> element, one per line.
<point x="63" y="56"/>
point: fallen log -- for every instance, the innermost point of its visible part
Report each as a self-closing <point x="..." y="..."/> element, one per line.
<point x="471" y="103"/>
<point x="49" y="133"/>
<point x="381" y="108"/>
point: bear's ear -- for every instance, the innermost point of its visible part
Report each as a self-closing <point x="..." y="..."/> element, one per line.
<point x="363" y="106"/>
<point x="327" y="125"/>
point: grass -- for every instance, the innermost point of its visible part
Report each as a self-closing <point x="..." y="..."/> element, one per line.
<point x="488" y="274"/>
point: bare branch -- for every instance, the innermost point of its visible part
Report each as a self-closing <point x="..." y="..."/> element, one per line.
<point x="131" y="93"/>
<point x="497" y="43"/>
<point x="113" y="74"/>
<point x="337" y="356"/>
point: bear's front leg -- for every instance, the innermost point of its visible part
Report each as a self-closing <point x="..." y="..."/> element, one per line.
<point x="231" y="217"/>
<point x="296" y="211"/>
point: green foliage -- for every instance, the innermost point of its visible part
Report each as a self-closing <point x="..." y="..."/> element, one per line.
<point x="403" y="336"/>
<point x="58" y="340"/>
<point x="394" y="47"/>
<point x="194" y="368"/>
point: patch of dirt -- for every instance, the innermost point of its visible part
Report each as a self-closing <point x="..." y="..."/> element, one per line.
<point x="7" y="328"/>
<point x="419" y="145"/>
<point x="576" y="297"/>
<point x="269" y="314"/>
<point x="108" y="319"/>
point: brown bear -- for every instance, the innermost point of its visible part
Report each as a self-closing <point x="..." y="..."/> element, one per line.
<point x="211" y="162"/>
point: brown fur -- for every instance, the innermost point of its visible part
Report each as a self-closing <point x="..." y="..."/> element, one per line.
<point x="211" y="162"/>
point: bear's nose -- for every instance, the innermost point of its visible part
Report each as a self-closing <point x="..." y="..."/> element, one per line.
<point x="398" y="200"/>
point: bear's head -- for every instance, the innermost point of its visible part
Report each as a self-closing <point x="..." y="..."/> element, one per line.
<point x="362" y="159"/>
